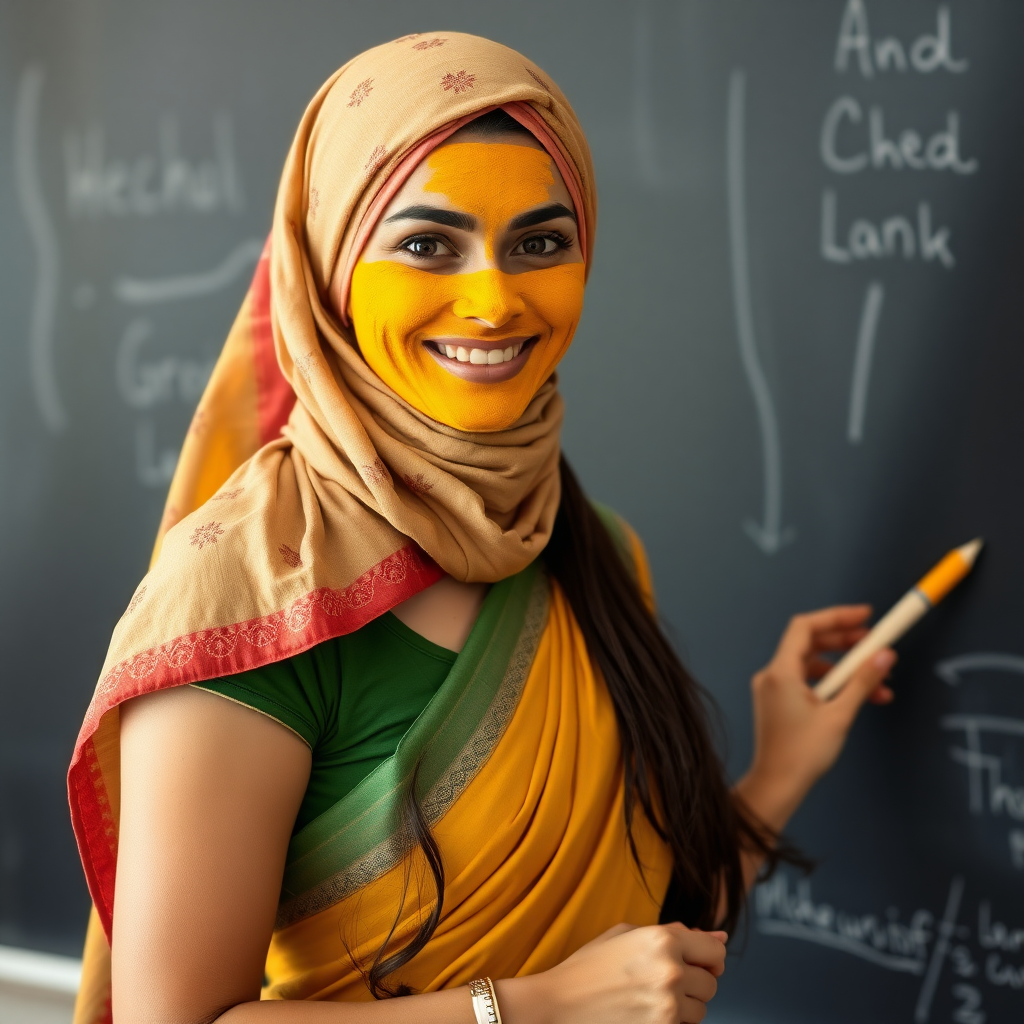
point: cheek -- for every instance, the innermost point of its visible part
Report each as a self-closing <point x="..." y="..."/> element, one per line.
<point x="389" y="301"/>
<point x="555" y="294"/>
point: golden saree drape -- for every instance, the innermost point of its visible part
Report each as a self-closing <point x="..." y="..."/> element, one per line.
<point x="521" y="780"/>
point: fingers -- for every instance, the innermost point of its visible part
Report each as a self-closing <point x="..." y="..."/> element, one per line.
<point x="800" y="638"/>
<point x="702" y="949"/>
<point x="696" y="989"/>
<point x="883" y="695"/>
<point x="864" y="682"/>
<point x="698" y="984"/>
<point x="816" y="667"/>
<point x="838" y="639"/>
<point x="692" y="1011"/>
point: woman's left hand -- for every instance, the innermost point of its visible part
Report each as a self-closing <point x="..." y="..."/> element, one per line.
<point x="798" y="736"/>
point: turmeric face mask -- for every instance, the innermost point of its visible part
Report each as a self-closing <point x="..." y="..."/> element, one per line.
<point x="470" y="288"/>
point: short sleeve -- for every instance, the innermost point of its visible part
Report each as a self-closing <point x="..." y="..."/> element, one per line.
<point x="286" y="691"/>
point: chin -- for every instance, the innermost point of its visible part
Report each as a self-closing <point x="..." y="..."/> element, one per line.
<point x="479" y="420"/>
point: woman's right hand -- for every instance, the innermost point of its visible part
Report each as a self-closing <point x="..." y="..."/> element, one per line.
<point x="659" y="974"/>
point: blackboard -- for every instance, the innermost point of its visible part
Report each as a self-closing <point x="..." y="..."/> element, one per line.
<point x="798" y="375"/>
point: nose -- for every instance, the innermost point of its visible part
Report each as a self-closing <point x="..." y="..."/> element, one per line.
<point x="489" y="297"/>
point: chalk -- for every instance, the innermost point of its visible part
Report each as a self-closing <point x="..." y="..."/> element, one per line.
<point x="927" y="593"/>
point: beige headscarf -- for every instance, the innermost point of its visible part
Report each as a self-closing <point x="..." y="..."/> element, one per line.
<point x="363" y="501"/>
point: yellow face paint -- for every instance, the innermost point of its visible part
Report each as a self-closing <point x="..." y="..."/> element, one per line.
<point x="396" y="308"/>
<point x="491" y="181"/>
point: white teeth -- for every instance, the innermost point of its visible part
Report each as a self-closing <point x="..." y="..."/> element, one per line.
<point x="481" y="356"/>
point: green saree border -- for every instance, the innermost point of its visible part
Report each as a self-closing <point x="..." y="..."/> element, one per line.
<point x="362" y="836"/>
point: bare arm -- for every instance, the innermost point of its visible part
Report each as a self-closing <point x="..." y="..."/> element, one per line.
<point x="210" y="790"/>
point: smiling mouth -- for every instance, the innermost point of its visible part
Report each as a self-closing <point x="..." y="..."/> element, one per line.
<point x="478" y="362"/>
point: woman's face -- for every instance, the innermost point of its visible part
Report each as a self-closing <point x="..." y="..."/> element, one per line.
<point x="470" y="288"/>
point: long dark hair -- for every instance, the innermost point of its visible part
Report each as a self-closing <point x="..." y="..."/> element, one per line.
<point x="672" y="768"/>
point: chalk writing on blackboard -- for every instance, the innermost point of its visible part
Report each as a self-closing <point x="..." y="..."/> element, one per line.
<point x="161" y="181"/>
<point x="144" y="381"/>
<point x="927" y="53"/>
<point x="857" y="138"/>
<point x="102" y="186"/>
<point x="147" y="378"/>
<point x="955" y="942"/>
<point x="989" y="792"/>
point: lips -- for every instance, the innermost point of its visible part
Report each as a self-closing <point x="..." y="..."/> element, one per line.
<point x="482" y="362"/>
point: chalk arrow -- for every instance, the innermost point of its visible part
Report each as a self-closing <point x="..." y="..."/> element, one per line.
<point x="768" y="539"/>
<point x="768" y="534"/>
<point x="952" y="669"/>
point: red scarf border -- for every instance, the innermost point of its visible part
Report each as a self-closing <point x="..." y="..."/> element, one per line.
<point x="320" y="615"/>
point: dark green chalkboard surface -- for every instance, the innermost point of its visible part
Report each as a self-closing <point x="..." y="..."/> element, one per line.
<point x="800" y="375"/>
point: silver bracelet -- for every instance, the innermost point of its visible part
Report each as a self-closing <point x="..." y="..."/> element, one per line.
<point x="485" y="1002"/>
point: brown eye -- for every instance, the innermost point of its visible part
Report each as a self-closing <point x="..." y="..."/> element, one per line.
<point x="541" y="245"/>
<point x="537" y="246"/>
<point x="426" y="247"/>
<point x="423" y="247"/>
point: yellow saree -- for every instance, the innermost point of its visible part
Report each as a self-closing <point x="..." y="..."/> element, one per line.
<point x="311" y="499"/>
<point x="521" y="782"/>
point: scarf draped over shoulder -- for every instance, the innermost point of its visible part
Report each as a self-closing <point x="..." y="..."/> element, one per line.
<point x="309" y="498"/>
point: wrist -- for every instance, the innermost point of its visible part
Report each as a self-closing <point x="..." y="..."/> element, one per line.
<point x="525" y="1000"/>
<point x="772" y="796"/>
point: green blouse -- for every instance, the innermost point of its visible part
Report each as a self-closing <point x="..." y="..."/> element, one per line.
<point x="351" y="699"/>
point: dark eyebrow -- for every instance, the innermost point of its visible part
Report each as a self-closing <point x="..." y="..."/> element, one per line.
<point x="449" y="218"/>
<point x="534" y="217"/>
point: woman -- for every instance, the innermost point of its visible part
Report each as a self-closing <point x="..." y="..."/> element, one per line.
<point x="433" y="735"/>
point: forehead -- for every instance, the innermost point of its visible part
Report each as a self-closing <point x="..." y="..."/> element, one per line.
<point x="486" y="177"/>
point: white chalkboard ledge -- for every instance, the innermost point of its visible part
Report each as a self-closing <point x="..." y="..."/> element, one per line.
<point x="37" y="988"/>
